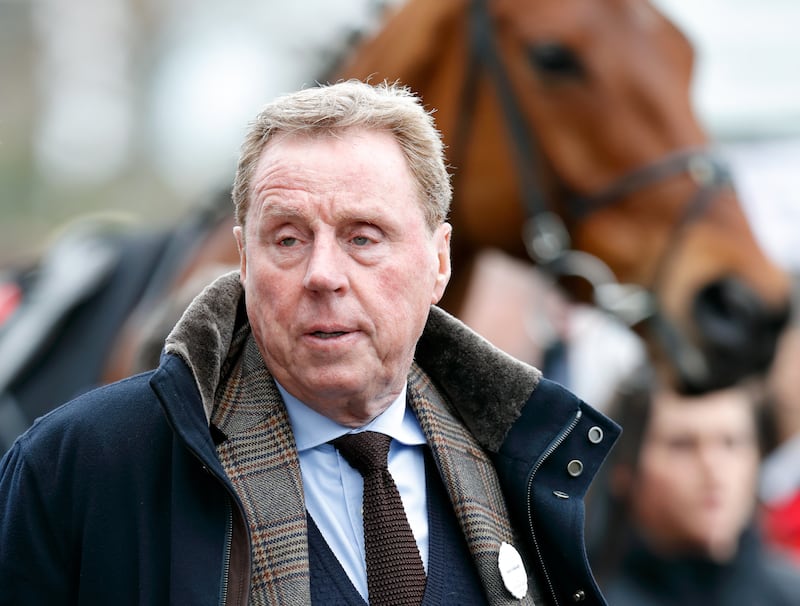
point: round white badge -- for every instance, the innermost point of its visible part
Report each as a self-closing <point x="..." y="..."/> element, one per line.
<point x="512" y="570"/>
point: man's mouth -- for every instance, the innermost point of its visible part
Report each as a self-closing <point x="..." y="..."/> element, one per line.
<point x="327" y="335"/>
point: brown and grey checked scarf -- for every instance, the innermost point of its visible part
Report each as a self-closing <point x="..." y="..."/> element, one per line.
<point x="260" y="457"/>
<point x="473" y="486"/>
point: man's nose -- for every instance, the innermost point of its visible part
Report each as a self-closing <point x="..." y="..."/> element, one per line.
<point x="326" y="268"/>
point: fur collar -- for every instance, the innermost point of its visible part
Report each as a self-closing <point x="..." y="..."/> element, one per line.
<point x="486" y="387"/>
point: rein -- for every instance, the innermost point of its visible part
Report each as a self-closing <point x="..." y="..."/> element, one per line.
<point x="544" y="233"/>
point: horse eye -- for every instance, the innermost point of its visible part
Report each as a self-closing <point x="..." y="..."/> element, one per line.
<point x="555" y="60"/>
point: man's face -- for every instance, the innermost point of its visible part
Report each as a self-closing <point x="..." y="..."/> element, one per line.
<point x="696" y="482"/>
<point x="339" y="269"/>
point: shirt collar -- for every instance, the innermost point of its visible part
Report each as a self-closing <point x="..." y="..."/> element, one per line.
<point x="312" y="429"/>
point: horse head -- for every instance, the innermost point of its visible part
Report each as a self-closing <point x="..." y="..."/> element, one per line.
<point x="574" y="142"/>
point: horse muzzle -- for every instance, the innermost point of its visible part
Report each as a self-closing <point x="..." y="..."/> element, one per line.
<point x="733" y="335"/>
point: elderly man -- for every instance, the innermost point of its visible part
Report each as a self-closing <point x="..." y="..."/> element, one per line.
<point x="242" y="470"/>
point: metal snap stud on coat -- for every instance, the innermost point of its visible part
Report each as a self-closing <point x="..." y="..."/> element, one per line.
<point x="595" y="435"/>
<point x="574" y="468"/>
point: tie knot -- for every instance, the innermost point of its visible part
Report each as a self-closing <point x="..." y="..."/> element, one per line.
<point x="365" y="451"/>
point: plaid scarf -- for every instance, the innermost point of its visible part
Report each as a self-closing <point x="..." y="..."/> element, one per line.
<point x="260" y="457"/>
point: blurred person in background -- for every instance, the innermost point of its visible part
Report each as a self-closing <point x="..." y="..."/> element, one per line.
<point x="682" y="489"/>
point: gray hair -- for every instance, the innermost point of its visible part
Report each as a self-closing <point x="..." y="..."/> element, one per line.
<point x="332" y="108"/>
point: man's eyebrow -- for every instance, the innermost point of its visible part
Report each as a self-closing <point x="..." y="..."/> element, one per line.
<point x="366" y="218"/>
<point x="281" y="211"/>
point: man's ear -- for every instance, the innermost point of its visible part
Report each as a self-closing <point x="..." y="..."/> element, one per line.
<point x="238" y="233"/>
<point x="442" y="241"/>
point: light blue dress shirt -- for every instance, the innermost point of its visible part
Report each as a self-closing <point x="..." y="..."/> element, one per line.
<point x="334" y="490"/>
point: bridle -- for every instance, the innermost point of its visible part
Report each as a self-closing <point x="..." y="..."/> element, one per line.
<point x="544" y="233"/>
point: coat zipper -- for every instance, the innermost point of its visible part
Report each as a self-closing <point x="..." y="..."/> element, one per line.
<point x="229" y="505"/>
<point x="226" y="565"/>
<point x="550" y="450"/>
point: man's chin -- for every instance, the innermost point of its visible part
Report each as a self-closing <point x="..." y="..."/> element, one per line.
<point x="350" y="403"/>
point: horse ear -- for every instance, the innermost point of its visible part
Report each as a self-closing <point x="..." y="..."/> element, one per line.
<point x="406" y="46"/>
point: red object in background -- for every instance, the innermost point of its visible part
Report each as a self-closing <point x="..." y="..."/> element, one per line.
<point x="781" y="524"/>
<point x="10" y="298"/>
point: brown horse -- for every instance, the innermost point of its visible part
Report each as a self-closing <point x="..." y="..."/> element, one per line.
<point x="573" y="141"/>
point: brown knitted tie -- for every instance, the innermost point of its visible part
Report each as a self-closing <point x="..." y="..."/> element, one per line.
<point x="395" y="575"/>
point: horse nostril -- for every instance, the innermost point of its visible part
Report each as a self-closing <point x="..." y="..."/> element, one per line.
<point x="727" y="313"/>
<point x="736" y="328"/>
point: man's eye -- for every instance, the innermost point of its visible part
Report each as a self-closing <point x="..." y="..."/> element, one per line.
<point x="361" y="240"/>
<point x="287" y="242"/>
